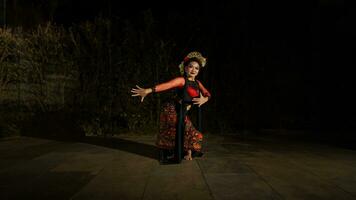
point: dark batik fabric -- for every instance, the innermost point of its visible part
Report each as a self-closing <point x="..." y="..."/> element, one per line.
<point x="167" y="133"/>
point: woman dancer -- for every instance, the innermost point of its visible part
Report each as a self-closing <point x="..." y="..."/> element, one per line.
<point x="176" y="129"/>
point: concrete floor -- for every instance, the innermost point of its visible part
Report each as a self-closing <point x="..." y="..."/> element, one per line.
<point x="126" y="167"/>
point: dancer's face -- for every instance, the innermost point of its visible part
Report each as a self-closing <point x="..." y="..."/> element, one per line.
<point x="192" y="69"/>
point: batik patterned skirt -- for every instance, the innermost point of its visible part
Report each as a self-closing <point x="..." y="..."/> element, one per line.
<point x="167" y="132"/>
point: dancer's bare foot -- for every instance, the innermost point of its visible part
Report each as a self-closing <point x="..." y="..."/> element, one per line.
<point x="189" y="156"/>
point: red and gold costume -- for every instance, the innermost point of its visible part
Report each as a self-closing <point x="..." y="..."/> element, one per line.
<point x="168" y="117"/>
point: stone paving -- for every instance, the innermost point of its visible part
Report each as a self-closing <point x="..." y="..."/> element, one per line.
<point x="126" y="167"/>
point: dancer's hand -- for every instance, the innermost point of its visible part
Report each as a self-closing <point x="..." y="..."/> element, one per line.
<point x="142" y="92"/>
<point x="201" y="100"/>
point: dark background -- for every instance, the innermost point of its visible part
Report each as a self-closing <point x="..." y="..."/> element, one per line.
<point x="271" y="64"/>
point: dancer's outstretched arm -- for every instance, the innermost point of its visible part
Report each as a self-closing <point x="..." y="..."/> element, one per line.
<point x="143" y="92"/>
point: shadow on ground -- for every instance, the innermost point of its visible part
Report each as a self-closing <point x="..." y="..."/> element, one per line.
<point x="141" y="149"/>
<point x="62" y="127"/>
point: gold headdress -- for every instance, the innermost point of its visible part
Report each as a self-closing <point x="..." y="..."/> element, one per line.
<point x="193" y="54"/>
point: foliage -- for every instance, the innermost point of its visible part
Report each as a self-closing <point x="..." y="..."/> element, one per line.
<point x="88" y="70"/>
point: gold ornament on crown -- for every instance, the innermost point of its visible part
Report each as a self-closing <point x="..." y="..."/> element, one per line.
<point x="193" y="54"/>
